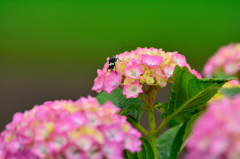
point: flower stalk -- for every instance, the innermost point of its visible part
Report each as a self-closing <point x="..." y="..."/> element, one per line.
<point x="149" y="104"/>
<point x="152" y="128"/>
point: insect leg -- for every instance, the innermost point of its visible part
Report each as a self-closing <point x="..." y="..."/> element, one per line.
<point x="118" y="60"/>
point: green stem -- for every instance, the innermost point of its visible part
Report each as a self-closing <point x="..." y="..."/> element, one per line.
<point x="143" y="99"/>
<point x="149" y="105"/>
<point x="160" y="128"/>
<point x="138" y="126"/>
<point x="157" y="105"/>
<point x="152" y="128"/>
<point x="141" y="129"/>
<point x="144" y="108"/>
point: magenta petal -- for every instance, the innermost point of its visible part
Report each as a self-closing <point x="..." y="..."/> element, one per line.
<point x="112" y="150"/>
<point x="168" y="70"/>
<point x="179" y="59"/>
<point x="152" y="61"/>
<point x="112" y="81"/>
<point x="132" y="90"/>
<point x="98" y="83"/>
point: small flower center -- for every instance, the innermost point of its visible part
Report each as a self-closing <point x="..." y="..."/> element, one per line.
<point x="133" y="89"/>
<point x="112" y="135"/>
<point x="134" y="74"/>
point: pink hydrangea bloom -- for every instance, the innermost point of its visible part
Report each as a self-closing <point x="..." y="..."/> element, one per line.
<point x="179" y="59"/>
<point x="71" y="130"/>
<point x="132" y="90"/>
<point x="168" y="70"/>
<point x="147" y="66"/>
<point x="226" y="59"/>
<point x="152" y="60"/>
<point x="113" y="79"/>
<point x="133" y="71"/>
<point x="216" y="133"/>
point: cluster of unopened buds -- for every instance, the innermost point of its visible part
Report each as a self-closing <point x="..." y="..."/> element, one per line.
<point x="226" y="60"/>
<point x="216" y="133"/>
<point x="67" y="129"/>
<point x="143" y="66"/>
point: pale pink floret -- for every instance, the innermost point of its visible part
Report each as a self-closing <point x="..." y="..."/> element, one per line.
<point x="14" y="146"/>
<point x="208" y="70"/>
<point x="95" y="153"/>
<point x="111" y="151"/>
<point x="162" y="80"/>
<point x="226" y="59"/>
<point x="231" y="68"/>
<point x="72" y="152"/>
<point x="152" y="61"/>
<point x="112" y="81"/>
<point x="99" y="81"/>
<point x="109" y="108"/>
<point x="84" y="143"/>
<point x="132" y="61"/>
<point x="58" y="142"/>
<point x="113" y="133"/>
<point x="132" y="90"/>
<point x="216" y="133"/>
<point x="133" y="71"/>
<point x="168" y="70"/>
<point x="131" y="144"/>
<point x="40" y="149"/>
<point x="179" y="59"/>
<point x="67" y="129"/>
<point x="196" y="73"/>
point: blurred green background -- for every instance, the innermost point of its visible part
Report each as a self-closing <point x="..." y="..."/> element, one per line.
<point x="51" y="49"/>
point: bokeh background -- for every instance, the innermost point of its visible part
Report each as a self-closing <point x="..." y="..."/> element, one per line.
<point x="51" y="49"/>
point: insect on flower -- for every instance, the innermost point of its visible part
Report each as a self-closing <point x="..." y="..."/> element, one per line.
<point x="113" y="59"/>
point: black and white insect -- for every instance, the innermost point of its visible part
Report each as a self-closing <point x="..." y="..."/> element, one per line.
<point x="112" y="61"/>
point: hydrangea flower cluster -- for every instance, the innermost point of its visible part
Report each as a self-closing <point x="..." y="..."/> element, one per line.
<point x="152" y="67"/>
<point x="226" y="59"/>
<point x="216" y="133"/>
<point x="69" y="130"/>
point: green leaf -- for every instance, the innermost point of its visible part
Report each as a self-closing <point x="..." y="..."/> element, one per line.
<point x="164" y="142"/>
<point x="127" y="109"/>
<point x="182" y="135"/>
<point x="189" y="93"/>
<point x="122" y="102"/>
<point x="145" y="153"/>
<point x="174" y="122"/>
<point x="231" y="92"/>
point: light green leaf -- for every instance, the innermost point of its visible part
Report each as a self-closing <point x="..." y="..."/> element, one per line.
<point x="231" y="92"/>
<point x="120" y="100"/>
<point x="182" y="134"/>
<point x="145" y="153"/>
<point x="189" y="93"/>
<point x="164" y="142"/>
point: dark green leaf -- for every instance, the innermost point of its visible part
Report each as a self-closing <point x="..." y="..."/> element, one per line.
<point x="164" y="142"/>
<point x="145" y="153"/>
<point x="174" y="122"/>
<point x="122" y="102"/>
<point x="127" y="109"/>
<point x="189" y="93"/>
<point x="231" y="92"/>
<point x="182" y="135"/>
<point x="129" y="155"/>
